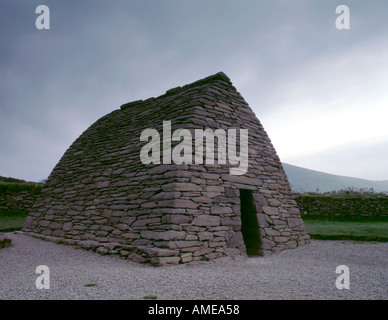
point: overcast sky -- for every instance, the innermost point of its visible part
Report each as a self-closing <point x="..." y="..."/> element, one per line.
<point x="320" y="93"/>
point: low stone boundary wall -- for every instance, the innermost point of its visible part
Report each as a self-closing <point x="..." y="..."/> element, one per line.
<point x="17" y="201"/>
<point x="352" y="206"/>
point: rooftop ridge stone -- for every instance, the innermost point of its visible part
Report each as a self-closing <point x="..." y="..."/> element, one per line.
<point x="210" y="80"/>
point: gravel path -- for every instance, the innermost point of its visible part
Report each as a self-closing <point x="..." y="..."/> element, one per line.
<point x="303" y="273"/>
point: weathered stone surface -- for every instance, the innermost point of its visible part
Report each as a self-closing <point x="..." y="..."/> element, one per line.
<point x="202" y="252"/>
<point x="263" y="220"/>
<point x="232" y="252"/>
<point x="58" y="233"/>
<point x="130" y="235"/>
<point x="166" y="195"/>
<point x="291" y="244"/>
<point x="55" y="225"/>
<point x="158" y="252"/>
<point x="163" y="235"/>
<point x="102" y="184"/>
<point x="232" y="221"/>
<point x="143" y="222"/>
<point x="235" y="239"/>
<point x="88" y="244"/>
<point x="176" y="218"/>
<point x="44" y="223"/>
<point x="149" y="205"/>
<point x="206" y="220"/>
<point x="122" y="226"/>
<point x="162" y="261"/>
<point x="67" y="226"/>
<point x="213" y="189"/>
<point x="271" y="211"/>
<point x="216" y="209"/>
<point x="127" y="220"/>
<point x="205" y="235"/>
<point x="271" y="232"/>
<point x="190" y="237"/>
<point x="186" y="257"/>
<point x="267" y="244"/>
<point x="176" y="186"/>
<point x="277" y="222"/>
<point x="202" y="199"/>
<point x="281" y="239"/>
<point x="183" y="244"/>
<point x="241" y="179"/>
<point x="178" y="203"/>
<point x="294" y="222"/>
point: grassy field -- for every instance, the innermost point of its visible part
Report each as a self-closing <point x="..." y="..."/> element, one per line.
<point x="11" y="221"/>
<point x="362" y="229"/>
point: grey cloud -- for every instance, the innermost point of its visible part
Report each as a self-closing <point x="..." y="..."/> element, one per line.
<point x="367" y="160"/>
<point x="101" y="54"/>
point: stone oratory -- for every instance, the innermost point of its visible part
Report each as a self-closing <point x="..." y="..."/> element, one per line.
<point x="114" y="194"/>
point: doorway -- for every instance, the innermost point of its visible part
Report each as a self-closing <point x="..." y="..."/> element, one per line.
<point x="249" y="224"/>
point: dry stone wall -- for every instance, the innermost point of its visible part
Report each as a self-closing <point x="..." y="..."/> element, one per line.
<point x="17" y="201"/>
<point x="350" y="206"/>
<point x="100" y="196"/>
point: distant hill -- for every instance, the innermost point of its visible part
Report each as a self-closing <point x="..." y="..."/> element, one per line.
<point x="306" y="180"/>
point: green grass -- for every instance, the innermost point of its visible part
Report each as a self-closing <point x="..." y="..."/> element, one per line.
<point x="9" y="187"/>
<point x="89" y="285"/>
<point x="339" y="228"/>
<point x="12" y="221"/>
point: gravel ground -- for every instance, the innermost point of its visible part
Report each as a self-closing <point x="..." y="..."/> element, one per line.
<point x="302" y="273"/>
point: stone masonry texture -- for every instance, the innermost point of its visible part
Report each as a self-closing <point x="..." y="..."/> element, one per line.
<point x="101" y="197"/>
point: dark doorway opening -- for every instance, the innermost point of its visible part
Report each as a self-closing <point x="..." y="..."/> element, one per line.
<point x="249" y="224"/>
